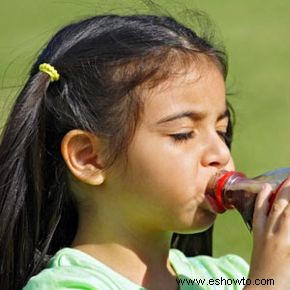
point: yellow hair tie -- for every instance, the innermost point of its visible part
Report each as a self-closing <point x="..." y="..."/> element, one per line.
<point x="50" y="70"/>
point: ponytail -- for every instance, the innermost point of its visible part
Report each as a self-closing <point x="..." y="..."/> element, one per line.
<point x="22" y="183"/>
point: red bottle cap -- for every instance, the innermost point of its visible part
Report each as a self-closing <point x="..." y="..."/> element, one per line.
<point x="220" y="187"/>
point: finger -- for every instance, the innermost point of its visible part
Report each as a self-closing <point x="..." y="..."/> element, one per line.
<point x="279" y="213"/>
<point x="275" y="213"/>
<point x="284" y="190"/>
<point x="261" y="208"/>
<point x="283" y="225"/>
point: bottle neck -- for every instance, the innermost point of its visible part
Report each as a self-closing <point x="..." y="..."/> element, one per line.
<point x="231" y="189"/>
<point x="239" y="192"/>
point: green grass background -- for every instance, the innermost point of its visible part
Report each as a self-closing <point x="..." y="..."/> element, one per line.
<point x="256" y="34"/>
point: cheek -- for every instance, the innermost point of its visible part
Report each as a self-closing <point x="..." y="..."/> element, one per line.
<point x="162" y="182"/>
<point x="230" y="166"/>
<point x="163" y="167"/>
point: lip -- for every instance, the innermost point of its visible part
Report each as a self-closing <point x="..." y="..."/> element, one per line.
<point x="211" y="205"/>
<point x="207" y="205"/>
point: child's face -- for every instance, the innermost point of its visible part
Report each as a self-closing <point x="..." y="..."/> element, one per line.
<point x="175" y="150"/>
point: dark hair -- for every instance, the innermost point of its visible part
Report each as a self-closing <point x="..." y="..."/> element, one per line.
<point x="102" y="62"/>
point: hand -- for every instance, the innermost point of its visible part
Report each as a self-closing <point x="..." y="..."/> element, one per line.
<point x="271" y="233"/>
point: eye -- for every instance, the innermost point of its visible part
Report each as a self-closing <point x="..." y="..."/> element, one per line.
<point x="223" y="135"/>
<point x="181" y="137"/>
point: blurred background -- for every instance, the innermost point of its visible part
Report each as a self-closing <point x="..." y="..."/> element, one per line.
<point x="256" y="35"/>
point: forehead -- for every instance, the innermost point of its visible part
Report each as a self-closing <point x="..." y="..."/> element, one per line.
<point x="200" y="88"/>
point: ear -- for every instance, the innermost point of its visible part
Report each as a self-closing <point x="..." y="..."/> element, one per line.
<point x="81" y="151"/>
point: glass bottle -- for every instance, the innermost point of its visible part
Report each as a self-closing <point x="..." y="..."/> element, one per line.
<point x="232" y="189"/>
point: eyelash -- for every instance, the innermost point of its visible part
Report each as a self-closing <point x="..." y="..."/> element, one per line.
<point x="182" y="137"/>
<point x="223" y="135"/>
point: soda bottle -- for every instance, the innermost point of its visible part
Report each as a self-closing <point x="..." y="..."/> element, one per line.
<point x="232" y="189"/>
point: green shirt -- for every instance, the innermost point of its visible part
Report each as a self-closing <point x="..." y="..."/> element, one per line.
<point x="73" y="269"/>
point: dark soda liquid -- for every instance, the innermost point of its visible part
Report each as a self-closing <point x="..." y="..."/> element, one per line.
<point x="244" y="205"/>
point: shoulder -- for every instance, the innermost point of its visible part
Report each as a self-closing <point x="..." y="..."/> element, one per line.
<point x="71" y="269"/>
<point x="229" y="267"/>
<point x="227" y="264"/>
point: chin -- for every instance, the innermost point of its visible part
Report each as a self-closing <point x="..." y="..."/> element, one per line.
<point x="193" y="231"/>
<point x="202" y="222"/>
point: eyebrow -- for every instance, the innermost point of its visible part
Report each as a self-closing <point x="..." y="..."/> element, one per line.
<point x="192" y="115"/>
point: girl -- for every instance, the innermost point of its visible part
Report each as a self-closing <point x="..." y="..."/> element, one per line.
<point x="108" y="151"/>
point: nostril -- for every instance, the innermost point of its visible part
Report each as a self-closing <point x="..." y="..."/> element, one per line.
<point x="216" y="164"/>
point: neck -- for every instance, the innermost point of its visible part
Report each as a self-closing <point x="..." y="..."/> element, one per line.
<point x="123" y="247"/>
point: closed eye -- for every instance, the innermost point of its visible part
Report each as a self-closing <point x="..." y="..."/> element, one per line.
<point x="223" y="135"/>
<point x="181" y="137"/>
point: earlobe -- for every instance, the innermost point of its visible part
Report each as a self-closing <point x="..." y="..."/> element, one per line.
<point x="82" y="153"/>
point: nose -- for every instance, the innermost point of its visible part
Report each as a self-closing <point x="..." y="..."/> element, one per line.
<point x="216" y="153"/>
